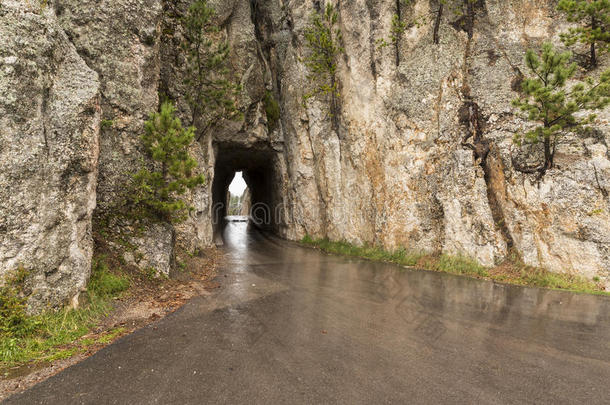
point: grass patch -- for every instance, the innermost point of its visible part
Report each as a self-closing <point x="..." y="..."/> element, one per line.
<point x="512" y="271"/>
<point x="401" y="256"/>
<point x="53" y="330"/>
<point x="104" y="283"/>
<point x="460" y="265"/>
<point x="522" y="274"/>
<point x="110" y="336"/>
<point x="542" y="278"/>
<point x="45" y="337"/>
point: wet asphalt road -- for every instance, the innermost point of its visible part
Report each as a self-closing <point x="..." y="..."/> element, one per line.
<point x="292" y="325"/>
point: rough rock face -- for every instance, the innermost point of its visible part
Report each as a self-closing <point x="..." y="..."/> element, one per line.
<point x="421" y="156"/>
<point x="49" y="125"/>
<point x="119" y="39"/>
<point x="403" y="169"/>
<point x="153" y="250"/>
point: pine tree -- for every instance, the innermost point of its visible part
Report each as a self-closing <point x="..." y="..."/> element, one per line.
<point x="323" y="41"/>
<point x="396" y="30"/>
<point x="399" y="27"/>
<point x="594" y="19"/>
<point x="555" y="109"/>
<point x="157" y="192"/>
<point x="210" y="93"/>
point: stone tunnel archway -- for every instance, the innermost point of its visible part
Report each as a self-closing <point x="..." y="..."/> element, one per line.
<point x="260" y="171"/>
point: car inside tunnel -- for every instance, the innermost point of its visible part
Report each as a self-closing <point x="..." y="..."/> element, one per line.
<point x="259" y="172"/>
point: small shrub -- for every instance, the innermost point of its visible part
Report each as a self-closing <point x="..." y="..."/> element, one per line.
<point x="105" y="124"/>
<point x="181" y="266"/>
<point x="151" y="273"/>
<point x="14" y="320"/>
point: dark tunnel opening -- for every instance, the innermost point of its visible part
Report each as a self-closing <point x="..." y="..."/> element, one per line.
<point x="259" y="172"/>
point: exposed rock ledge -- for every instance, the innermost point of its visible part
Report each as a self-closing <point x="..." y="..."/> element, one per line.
<point x="49" y="127"/>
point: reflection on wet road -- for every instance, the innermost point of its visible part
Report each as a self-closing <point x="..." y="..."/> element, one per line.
<point x="293" y="325"/>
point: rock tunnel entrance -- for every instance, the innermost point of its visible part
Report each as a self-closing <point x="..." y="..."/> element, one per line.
<point x="260" y="174"/>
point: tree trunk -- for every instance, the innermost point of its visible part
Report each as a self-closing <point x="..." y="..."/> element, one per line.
<point x="334" y="105"/>
<point x="397" y="42"/>
<point x="437" y="23"/>
<point x="593" y="55"/>
<point x="470" y="18"/>
<point x="548" y="155"/>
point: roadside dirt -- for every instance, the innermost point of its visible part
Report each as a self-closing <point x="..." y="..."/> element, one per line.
<point x="145" y="302"/>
